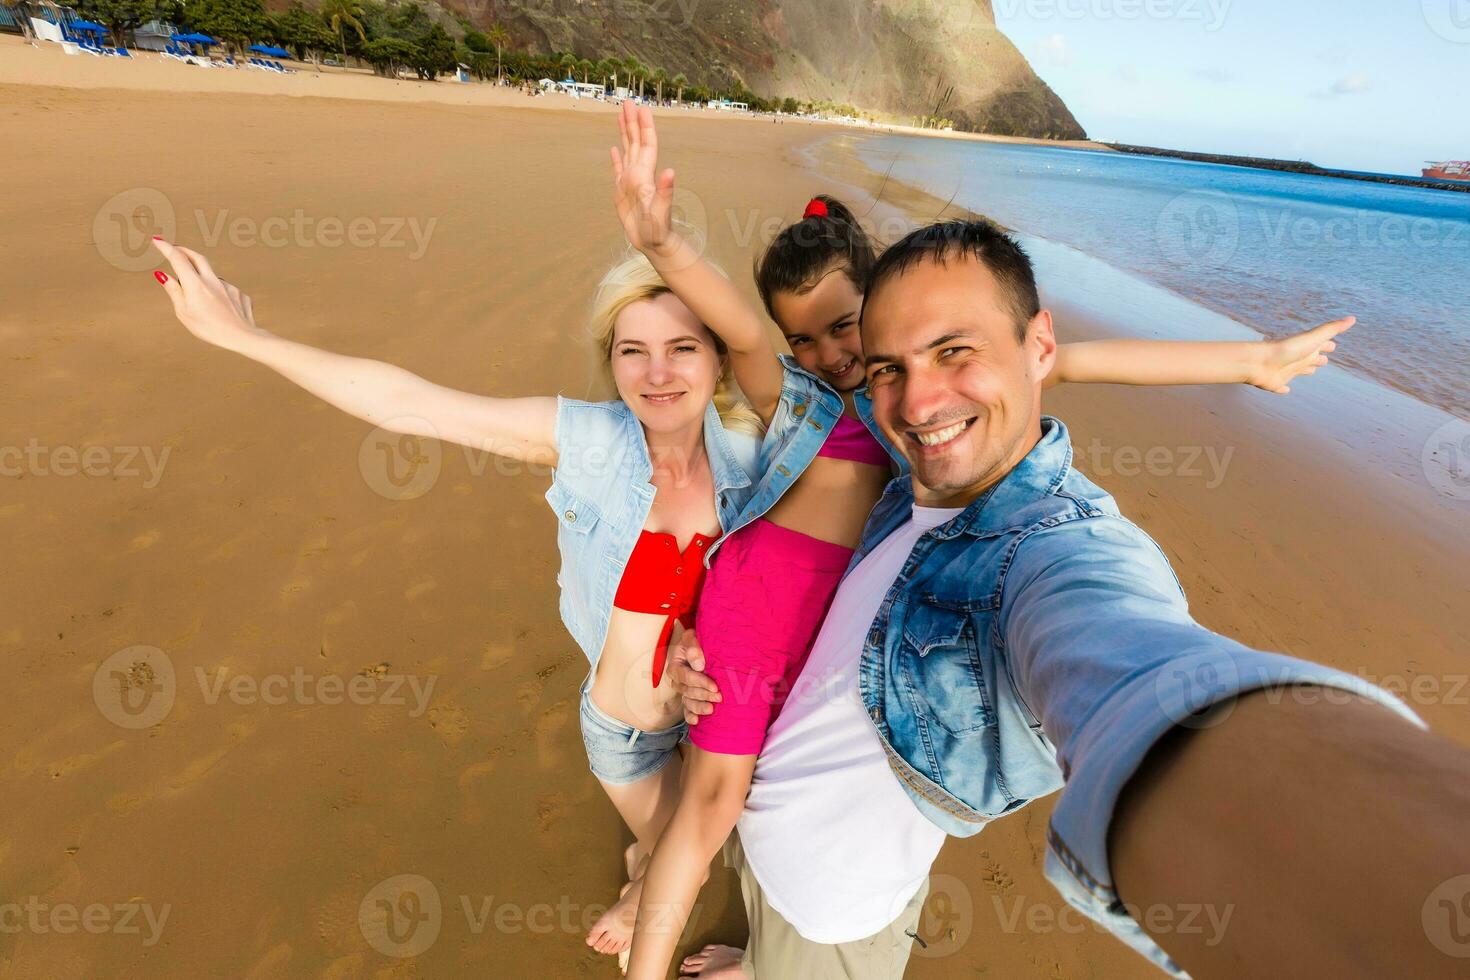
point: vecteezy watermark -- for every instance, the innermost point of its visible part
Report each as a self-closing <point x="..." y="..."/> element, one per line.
<point x="35" y="459"/>
<point x="1195" y="691"/>
<point x="1209" y="14"/>
<point x="124" y="226"/>
<point x="403" y="916"/>
<point x="1446" y="459"/>
<point x="130" y="918"/>
<point x="1446" y="917"/>
<point x="1450" y="19"/>
<point x="398" y="463"/>
<point x="1205" y="463"/>
<point x="1290" y="229"/>
<point x="947" y="920"/>
<point x="135" y="687"/>
<point x="1185" y="919"/>
<point x="1198" y="230"/>
<point x="372" y="685"/>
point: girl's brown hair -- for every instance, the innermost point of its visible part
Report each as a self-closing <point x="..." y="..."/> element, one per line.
<point x="804" y="252"/>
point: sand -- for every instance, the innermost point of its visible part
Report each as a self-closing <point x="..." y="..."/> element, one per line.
<point x="368" y="687"/>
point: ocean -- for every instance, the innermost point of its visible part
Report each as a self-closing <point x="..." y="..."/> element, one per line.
<point x="1276" y="251"/>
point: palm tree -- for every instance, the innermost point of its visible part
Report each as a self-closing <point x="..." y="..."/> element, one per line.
<point x="586" y="67"/>
<point x="340" y="14"/>
<point x="679" y="81"/>
<point x="500" y="37"/>
<point x="568" y="63"/>
<point x="658" y="78"/>
<point x="608" y="68"/>
<point x="635" y="70"/>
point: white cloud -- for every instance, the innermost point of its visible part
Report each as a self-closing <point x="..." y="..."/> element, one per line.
<point x="1054" y="50"/>
<point x="1352" y="84"/>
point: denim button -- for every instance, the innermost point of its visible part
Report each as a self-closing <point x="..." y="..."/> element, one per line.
<point x="799" y="410"/>
<point x="571" y="515"/>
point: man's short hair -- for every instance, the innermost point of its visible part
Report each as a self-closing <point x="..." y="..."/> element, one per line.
<point x="983" y="241"/>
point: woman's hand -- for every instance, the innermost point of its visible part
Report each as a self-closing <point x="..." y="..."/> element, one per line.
<point x="1293" y="357"/>
<point x="212" y="309"/>
<point x="645" y="202"/>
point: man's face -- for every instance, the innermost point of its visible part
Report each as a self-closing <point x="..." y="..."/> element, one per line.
<point x="952" y="386"/>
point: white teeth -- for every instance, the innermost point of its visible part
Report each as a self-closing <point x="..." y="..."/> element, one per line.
<point x="942" y="436"/>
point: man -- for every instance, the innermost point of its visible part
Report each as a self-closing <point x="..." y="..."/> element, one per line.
<point x="1004" y="632"/>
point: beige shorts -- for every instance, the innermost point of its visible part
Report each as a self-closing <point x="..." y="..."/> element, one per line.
<point x="776" y="951"/>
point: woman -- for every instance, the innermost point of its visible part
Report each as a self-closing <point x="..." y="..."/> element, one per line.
<point x="643" y="488"/>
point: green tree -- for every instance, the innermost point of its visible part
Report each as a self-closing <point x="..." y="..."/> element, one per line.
<point x="304" y="32"/>
<point x="659" y="78"/>
<point x="341" y="16"/>
<point x="435" y="53"/>
<point x="236" y="22"/>
<point x="790" y="106"/>
<point x="499" y="37"/>
<point x="388" y="54"/>
<point x="476" y="41"/>
<point x="680" y="82"/>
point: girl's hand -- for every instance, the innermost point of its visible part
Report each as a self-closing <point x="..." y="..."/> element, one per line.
<point x="645" y="203"/>
<point x="212" y="309"/>
<point x="1293" y="357"/>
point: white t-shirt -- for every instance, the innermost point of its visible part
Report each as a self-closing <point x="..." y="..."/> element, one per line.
<point x="837" y="845"/>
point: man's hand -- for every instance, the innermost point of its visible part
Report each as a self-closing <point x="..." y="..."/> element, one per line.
<point x="686" y="673"/>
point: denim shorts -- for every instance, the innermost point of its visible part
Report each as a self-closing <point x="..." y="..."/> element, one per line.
<point x="619" y="753"/>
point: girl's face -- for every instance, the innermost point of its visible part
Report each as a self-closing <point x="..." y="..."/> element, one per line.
<point x="821" y="326"/>
<point x="664" y="363"/>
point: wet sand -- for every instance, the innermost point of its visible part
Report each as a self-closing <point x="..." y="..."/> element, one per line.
<point x="367" y="687"/>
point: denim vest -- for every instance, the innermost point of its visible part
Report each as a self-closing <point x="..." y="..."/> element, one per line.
<point x="602" y="497"/>
<point x="805" y="415"/>
<point x="1039" y="638"/>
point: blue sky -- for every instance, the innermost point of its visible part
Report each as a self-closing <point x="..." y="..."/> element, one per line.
<point x="1376" y="85"/>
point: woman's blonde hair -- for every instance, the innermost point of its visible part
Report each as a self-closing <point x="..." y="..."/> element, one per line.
<point x="635" y="279"/>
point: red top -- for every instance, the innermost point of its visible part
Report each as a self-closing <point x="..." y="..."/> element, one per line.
<point x="659" y="580"/>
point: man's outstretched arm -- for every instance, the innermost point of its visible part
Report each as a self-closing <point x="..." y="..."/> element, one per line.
<point x="1278" y="811"/>
<point x="1327" y="825"/>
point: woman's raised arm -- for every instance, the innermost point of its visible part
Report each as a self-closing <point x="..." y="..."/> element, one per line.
<point x="383" y="394"/>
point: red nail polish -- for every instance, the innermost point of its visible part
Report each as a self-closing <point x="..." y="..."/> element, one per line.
<point x="157" y="238"/>
<point x="162" y="278"/>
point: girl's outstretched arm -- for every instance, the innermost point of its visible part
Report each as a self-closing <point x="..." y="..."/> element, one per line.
<point x="709" y="805"/>
<point x="1267" y="364"/>
<point x="217" y="312"/>
<point x="645" y="203"/>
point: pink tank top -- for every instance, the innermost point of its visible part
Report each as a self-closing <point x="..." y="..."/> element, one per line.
<point x="851" y="440"/>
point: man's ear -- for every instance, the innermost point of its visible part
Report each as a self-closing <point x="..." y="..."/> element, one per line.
<point x="1041" y="344"/>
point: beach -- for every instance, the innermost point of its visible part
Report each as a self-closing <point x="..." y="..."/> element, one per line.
<point x="365" y="671"/>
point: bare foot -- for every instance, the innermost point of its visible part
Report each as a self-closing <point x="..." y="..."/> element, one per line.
<point x="613" y="931"/>
<point x="713" y="963"/>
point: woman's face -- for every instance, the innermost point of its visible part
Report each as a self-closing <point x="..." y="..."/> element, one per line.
<point x="822" y="328"/>
<point x="664" y="363"/>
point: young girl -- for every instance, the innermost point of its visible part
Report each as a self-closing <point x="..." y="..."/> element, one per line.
<point x="643" y="487"/>
<point x="767" y="594"/>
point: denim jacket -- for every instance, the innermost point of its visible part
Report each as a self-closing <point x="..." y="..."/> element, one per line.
<point x="1040" y="640"/>
<point x="805" y="415"/>
<point x="602" y="497"/>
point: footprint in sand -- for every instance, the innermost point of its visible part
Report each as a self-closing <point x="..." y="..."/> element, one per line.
<point x="420" y="589"/>
<point x="145" y="541"/>
<point x="496" y="654"/>
<point x="552" y="730"/>
<point x="450" y="722"/>
<point x="272" y="964"/>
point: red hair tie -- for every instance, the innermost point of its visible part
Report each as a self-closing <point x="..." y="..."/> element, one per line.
<point x="816" y="209"/>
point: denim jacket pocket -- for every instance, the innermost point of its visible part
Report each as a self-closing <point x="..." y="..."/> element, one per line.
<point x="573" y="513"/>
<point x="940" y="662"/>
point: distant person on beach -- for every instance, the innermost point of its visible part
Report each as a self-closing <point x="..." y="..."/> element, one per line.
<point x="1004" y="632"/>
<point x="643" y="489"/>
<point x="823" y="469"/>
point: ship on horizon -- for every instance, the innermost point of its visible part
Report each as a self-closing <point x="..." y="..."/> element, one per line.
<point x="1448" y="170"/>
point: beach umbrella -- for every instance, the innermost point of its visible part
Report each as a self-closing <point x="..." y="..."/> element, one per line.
<point x="87" y="26"/>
